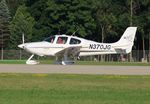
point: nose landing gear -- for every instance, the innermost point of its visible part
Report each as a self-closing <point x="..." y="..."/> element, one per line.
<point x="31" y="62"/>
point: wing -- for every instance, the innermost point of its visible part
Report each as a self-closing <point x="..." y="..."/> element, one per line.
<point x="72" y="50"/>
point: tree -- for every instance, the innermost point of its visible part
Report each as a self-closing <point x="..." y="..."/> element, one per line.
<point x="80" y="18"/>
<point x="100" y="20"/>
<point x="105" y="19"/>
<point x="4" y="24"/>
<point x="21" y="23"/>
<point x="144" y="15"/>
<point x="64" y="16"/>
<point x="141" y="16"/>
<point x="14" y="4"/>
<point x="148" y="29"/>
<point x="37" y="9"/>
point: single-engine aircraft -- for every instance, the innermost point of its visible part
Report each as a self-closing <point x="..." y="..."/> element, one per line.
<point x="63" y="46"/>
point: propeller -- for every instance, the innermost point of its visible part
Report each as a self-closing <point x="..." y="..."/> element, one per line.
<point x="22" y="38"/>
<point x="22" y="45"/>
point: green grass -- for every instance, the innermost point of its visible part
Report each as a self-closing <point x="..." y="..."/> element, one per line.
<point x="73" y="89"/>
<point x="79" y="62"/>
<point x="12" y="61"/>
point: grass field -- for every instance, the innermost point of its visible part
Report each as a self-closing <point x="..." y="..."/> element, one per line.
<point x="73" y="89"/>
<point x="79" y="62"/>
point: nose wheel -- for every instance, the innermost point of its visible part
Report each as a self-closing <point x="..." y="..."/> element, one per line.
<point x="31" y="62"/>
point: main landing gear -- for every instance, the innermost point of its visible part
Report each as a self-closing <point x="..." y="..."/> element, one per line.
<point x="64" y="60"/>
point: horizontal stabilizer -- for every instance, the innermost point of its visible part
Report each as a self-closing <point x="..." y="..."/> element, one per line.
<point x="119" y="50"/>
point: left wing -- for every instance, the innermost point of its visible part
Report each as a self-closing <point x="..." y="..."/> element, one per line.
<point x="71" y="50"/>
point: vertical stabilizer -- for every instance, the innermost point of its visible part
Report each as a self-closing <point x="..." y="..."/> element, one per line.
<point x="127" y="40"/>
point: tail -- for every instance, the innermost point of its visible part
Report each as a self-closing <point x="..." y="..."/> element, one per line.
<point x="126" y="42"/>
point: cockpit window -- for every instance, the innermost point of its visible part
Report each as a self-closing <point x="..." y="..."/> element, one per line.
<point x="50" y="39"/>
<point x="74" y="41"/>
<point x="61" y="40"/>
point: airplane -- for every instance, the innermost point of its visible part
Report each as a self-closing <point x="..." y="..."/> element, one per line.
<point x="62" y="46"/>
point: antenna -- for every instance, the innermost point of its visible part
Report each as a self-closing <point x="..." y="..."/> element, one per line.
<point x="74" y="32"/>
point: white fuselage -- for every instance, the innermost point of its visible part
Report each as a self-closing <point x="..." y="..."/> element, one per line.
<point x="88" y="47"/>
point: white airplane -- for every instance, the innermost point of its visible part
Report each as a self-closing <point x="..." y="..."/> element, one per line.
<point x="63" y="46"/>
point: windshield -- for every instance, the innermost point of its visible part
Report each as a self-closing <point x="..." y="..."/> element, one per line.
<point x="50" y="39"/>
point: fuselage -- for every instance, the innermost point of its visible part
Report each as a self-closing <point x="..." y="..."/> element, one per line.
<point x="63" y="46"/>
<point x="52" y="45"/>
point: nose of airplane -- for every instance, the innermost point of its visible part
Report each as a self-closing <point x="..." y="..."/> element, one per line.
<point x="21" y="46"/>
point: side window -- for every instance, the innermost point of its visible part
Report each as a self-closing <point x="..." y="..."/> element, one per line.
<point x="61" y="40"/>
<point x="74" y="41"/>
<point x="50" y="39"/>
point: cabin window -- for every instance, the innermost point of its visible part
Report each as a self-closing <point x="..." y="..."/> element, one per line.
<point x="50" y="39"/>
<point x="74" y="41"/>
<point x="61" y="40"/>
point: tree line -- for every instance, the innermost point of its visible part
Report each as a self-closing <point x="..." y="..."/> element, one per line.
<point x="98" y="20"/>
